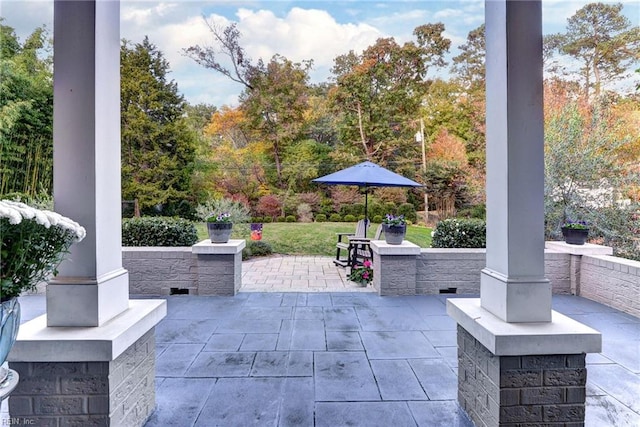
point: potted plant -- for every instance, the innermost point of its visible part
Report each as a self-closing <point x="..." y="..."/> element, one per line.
<point x="219" y="227"/>
<point x="362" y="274"/>
<point x="34" y="242"/>
<point x="395" y="228"/>
<point x="575" y="232"/>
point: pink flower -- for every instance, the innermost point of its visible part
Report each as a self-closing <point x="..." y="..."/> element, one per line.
<point x="365" y="275"/>
<point x="367" y="263"/>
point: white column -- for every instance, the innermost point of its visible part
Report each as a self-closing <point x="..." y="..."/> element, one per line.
<point x="513" y="284"/>
<point x="92" y="287"/>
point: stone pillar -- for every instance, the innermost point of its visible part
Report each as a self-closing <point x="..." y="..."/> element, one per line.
<point x="91" y="359"/>
<point x="91" y="287"/>
<point x="514" y="374"/>
<point x="513" y="285"/>
<point x="519" y="362"/>
<point x="219" y="267"/>
<point x="395" y="267"/>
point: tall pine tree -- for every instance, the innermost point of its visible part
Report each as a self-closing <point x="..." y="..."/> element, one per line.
<point x="158" y="145"/>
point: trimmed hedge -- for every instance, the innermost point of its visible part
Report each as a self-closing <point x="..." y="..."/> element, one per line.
<point x="460" y="233"/>
<point x="335" y="217"/>
<point x="158" y="231"/>
<point x="290" y="218"/>
<point x="349" y="218"/>
<point x="321" y="218"/>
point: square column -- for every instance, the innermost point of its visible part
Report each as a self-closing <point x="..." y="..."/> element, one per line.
<point x="219" y="267"/>
<point x="513" y="285"/>
<point x="394" y="267"/>
<point x="91" y="287"/>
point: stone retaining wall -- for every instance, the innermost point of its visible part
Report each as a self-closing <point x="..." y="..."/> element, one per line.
<point x="443" y="270"/>
<point x="158" y="270"/>
<point x="612" y="281"/>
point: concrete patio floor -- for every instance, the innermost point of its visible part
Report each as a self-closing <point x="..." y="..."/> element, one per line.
<point x="345" y="358"/>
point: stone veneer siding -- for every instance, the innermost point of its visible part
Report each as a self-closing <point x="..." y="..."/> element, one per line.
<point x="509" y="391"/>
<point x="612" y="281"/>
<point x="399" y="277"/>
<point x="157" y="270"/>
<point x="219" y="274"/>
<point x="441" y="269"/>
<point x="116" y="393"/>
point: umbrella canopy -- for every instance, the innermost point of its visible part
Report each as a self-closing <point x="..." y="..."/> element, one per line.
<point x="367" y="174"/>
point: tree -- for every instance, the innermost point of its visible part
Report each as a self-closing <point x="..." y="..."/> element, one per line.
<point x="26" y="113"/>
<point x="469" y="65"/>
<point x="586" y="175"/>
<point x="603" y="40"/>
<point x="378" y="93"/>
<point x="158" y="146"/>
<point x="275" y="105"/>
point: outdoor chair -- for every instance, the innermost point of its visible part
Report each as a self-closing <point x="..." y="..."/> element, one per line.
<point x="361" y="248"/>
<point x="356" y="245"/>
<point x="343" y="243"/>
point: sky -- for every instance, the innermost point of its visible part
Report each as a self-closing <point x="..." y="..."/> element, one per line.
<point x="298" y="30"/>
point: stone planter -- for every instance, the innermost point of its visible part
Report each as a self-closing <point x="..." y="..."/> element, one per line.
<point x="9" y="325"/>
<point x="394" y="234"/>
<point x="219" y="232"/>
<point x="575" y="236"/>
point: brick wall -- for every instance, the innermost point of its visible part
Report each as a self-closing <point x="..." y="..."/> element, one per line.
<point x="531" y="390"/>
<point x="441" y="269"/>
<point x="156" y="270"/>
<point x="399" y="277"/>
<point x="116" y="393"/>
<point x="612" y="281"/>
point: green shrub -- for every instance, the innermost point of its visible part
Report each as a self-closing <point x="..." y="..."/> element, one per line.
<point x="256" y="248"/>
<point x="267" y="219"/>
<point x="349" y="218"/>
<point x="281" y="219"/>
<point x="290" y="218"/>
<point x="335" y="217"/>
<point x="377" y="219"/>
<point x="360" y="217"/>
<point x="158" y="231"/>
<point x="409" y="212"/>
<point x="476" y="211"/>
<point x="460" y="233"/>
<point x="321" y="218"/>
<point x="390" y="208"/>
<point x="257" y="219"/>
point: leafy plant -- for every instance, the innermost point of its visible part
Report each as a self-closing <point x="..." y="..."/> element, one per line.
<point x="34" y="242"/>
<point x="158" y="231"/>
<point x="394" y="220"/>
<point x="575" y="225"/>
<point x="460" y="233"/>
<point x="220" y="218"/>
<point x="236" y="212"/>
<point x="362" y="273"/>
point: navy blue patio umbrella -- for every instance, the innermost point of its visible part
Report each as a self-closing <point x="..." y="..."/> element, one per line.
<point x="366" y="174"/>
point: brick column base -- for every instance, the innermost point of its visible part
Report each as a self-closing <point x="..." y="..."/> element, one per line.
<point x="120" y="392"/>
<point x="219" y="267"/>
<point x="531" y="390"/>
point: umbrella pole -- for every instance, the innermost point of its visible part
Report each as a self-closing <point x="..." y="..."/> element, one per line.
<point x="366" y="208"/>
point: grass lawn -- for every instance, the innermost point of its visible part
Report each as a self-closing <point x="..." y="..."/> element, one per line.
<point x="318" y="238"/>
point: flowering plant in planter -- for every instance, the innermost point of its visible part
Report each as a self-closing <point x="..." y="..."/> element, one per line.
<point x="576" y="225"/>
<point x="34" y="242"/>
<point x="362" y="274"/>
<point x="220" y="218"/>
<point x="394" y="220"/>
